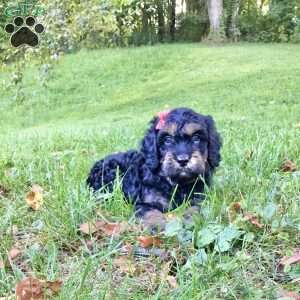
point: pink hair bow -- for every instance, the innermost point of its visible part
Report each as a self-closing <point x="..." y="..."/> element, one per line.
<point x="162" y="117"/>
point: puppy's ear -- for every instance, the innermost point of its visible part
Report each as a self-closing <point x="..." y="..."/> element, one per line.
<point x="149" y="146"/>
<point x="214" y="143"/>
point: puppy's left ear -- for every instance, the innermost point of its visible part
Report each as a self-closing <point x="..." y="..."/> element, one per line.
<point x="149" y="146"/>
<point x="214" y="143"/>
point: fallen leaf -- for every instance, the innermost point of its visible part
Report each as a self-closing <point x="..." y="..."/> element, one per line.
<point x="253" y="220"/>
<point x="14" y="253"/>
<point x="3" y="191"/>
<point x="34" y="198"/>
<point x="172" y="282"/>
<point x="127" y="249"/>
<point x="288" y="295"/>
<point x="289" y="260"/>
<point x="90" y="244"/>
<point x="54" y="286"/>
<point x="124" y="264"/>
<point x="110" y="229"/>
<point x="29" y="288"/>
<point x="149" y="241"/>
<point x="234" y="209"/>
<point x="107" y="229"/>
<point x="90" y="228"/>
<point x="288" y="166"/>
<point x="32" y="288"/>
<point x="236" y="206"/>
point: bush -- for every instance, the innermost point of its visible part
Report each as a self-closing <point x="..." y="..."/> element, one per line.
<point x="277" y="25"/>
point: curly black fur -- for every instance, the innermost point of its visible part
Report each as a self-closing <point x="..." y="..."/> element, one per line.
<point x="152" y="181"/>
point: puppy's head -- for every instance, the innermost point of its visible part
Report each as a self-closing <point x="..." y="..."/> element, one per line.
<point x="182" y="145"/>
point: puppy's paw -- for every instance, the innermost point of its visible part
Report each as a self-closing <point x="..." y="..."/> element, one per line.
<point x="190" y="213"/>
<point x="154" y="220"/>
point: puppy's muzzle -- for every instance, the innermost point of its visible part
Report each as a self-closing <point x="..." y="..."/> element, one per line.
<point x="183" y="159"/>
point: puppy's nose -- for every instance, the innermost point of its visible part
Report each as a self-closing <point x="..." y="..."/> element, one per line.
<point x="183" y="159"/>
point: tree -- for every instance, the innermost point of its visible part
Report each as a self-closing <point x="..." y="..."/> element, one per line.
<point x="233" y="12"/>
<point x="160" y="20"/>
<point x="215" y="13"/>
<point x="172" y="19"/>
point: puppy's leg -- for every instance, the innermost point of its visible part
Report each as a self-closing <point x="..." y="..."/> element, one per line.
<point x="154" y="220"/>
<point x="150" y="209"/>
<point x="194" y="209"/>
<point x="191" y="212"/>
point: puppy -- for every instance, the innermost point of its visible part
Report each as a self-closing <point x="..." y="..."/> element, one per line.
<point x="176" y="159"/>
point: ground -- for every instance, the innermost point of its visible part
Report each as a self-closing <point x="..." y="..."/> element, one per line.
<point x="88" y="104"/>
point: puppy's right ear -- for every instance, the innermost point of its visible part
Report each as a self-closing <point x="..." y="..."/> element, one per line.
<point x="149" y="146"/>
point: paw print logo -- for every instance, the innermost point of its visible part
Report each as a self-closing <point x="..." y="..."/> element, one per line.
<point x="24" y="33"/>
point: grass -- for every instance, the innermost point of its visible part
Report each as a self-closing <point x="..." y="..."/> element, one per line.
<point x="93" y="103"/>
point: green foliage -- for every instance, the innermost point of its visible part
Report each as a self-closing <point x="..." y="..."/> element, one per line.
<point x="276" y="24"/>
<point x="192" y="27"/>
<point x="295" y="38"/>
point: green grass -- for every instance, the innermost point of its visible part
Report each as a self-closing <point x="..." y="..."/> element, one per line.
<point x="97" y="102"/>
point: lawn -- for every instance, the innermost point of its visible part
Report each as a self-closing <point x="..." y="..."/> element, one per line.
<point x="92" y="103"/>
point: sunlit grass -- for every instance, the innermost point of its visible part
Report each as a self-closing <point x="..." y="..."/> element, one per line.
<point x="99" y="102"/>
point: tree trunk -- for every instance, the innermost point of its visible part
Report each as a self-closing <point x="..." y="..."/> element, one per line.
<point x="233" y="31"/>
<point x="215" y="12"/>
<point x="172" y="19"/>
<point x="145" y="26"/>
<point x="160" y="20"/>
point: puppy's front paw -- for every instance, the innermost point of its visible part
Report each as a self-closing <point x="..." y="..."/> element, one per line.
<point x="190" y="213"/>
<point x="154" y="220"/>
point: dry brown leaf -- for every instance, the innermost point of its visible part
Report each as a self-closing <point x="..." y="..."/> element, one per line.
<point x="253" y="220"/>
<point x="234" y="209"/>
<point x="34" y="198"/>
<point x="14" y="253"/>
<point x="288" y="166"/>
<point x="110" y="229"/>
<point x="107" y="229"/>
<point x="236" y="206"/>
<point x="172" y="282"/>
<point x="149" y="241"/>
<point x="124" y="264"/>
<point x="54" y="286"/>
<point x="289" y="260"/>
<point x="90" y="228"/>
<point x="3" y="191"/>
<point x="29" y="289"/>
<point x="288" y="294"/>
<point x="90" y="244"/>
<point x="32" y="288"/>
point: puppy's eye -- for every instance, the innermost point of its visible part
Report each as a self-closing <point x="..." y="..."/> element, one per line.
<point x="168" y="140"/>
<point x="196" y="139"/>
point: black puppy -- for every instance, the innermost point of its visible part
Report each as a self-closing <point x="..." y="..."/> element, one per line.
<point x="178" y="155"/>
